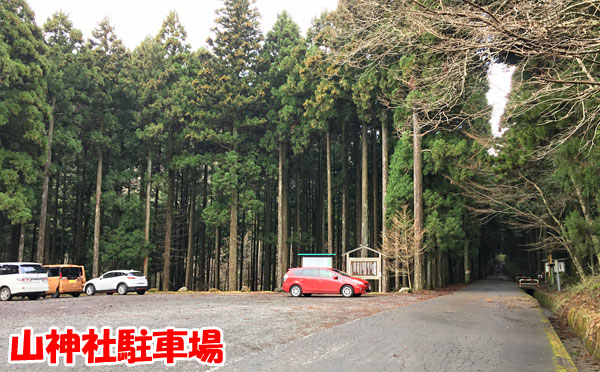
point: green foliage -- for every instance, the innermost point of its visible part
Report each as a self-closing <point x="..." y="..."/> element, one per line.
<point x="281" y="60"/>
<point x="579" y="232"/>
<point x="226" y="109"/>
<point x="66" y="89"/>
<point x="123" y="242"/>
<point x="400" y="188"/>
<point x="23" y="108"/>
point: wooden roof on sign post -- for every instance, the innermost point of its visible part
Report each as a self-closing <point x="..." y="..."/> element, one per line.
<point x="365" y="247"/>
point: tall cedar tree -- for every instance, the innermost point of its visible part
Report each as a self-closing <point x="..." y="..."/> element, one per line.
<point x="64" y="43"/>
<point x="236" y="44"/>
<point x="282" y="52"/>
<point x="172" y="38"/>
<point x="148" y="65"/>
<point x="105" y="60"/>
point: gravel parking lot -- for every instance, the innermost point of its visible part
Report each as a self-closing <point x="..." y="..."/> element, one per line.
<point x="251" y="322"/>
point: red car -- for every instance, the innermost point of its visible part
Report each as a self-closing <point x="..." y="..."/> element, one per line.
<point x="312" y="280"/>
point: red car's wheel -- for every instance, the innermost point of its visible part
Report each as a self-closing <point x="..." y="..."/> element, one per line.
<point x="296" y="291"/>
<point x="347" y="291"/>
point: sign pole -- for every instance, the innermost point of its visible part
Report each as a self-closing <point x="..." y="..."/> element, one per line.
<point x="550" y="269"/>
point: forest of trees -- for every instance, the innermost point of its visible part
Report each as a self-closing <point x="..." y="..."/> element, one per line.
<point x="214" y="168"/>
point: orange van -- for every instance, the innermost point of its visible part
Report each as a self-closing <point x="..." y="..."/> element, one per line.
<point x="65" y="279"/>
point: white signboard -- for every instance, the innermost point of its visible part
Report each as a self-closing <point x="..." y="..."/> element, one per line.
<point x="312" y="261"/>
<point x="559" y="267"/>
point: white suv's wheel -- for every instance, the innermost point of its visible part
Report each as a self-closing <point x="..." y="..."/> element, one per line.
<point x="90" y="290"/>
<point x="5" y="294"/>
<point x="122" y="289"/>
<point x="296" y="291"/>
<point x="347" y="291"/>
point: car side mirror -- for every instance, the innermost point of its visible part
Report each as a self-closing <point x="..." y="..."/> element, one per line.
<point x="335" y="277"/>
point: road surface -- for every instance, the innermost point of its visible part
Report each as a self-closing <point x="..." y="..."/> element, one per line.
<point x="488" y="326"/>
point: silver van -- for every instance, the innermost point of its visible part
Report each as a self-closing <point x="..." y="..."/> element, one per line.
<point x="22" y="279"/>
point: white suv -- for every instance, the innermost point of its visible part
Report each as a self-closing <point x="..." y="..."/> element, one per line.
<point x="22" y="279"/>
<point x="121" y="281"/>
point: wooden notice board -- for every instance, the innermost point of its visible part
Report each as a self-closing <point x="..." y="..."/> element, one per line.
<point x="364" y="267"/>
<point x="369" y="268"/>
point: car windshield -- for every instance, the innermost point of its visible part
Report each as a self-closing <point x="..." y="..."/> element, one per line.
<point x="341" y="272"/>
<point x="31" y="269"/>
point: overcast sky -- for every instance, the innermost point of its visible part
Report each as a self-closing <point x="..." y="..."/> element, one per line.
<point x="499" y="78"/>
<point x="135" y="19"/>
